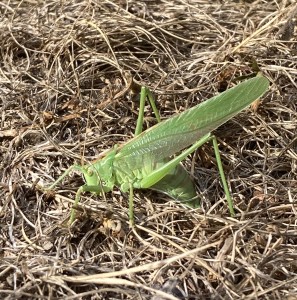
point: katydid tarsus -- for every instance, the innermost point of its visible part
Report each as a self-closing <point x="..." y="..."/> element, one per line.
<point x="146" y="162"/>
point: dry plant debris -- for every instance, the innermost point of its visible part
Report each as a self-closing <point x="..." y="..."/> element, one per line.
<point x="67" y="70"/>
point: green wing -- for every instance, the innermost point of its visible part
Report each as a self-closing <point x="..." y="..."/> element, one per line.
<point x="182" y="130"/>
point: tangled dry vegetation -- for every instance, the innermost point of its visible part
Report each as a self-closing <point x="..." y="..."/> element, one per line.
<point x="67" y="73"/>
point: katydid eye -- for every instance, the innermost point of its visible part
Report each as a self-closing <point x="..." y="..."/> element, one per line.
<point x="90" y="172"/>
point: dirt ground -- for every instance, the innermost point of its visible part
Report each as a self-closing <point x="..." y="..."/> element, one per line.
<point x="70" y="73"/>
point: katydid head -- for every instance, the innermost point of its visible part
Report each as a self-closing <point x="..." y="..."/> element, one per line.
<point x="100" y="173"/>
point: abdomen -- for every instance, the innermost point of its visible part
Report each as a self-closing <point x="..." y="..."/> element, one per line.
<point x="179" y="185"/>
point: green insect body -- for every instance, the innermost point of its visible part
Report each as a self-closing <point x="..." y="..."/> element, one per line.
<point x="177" y="183"/>
<point x="148" y="161"/>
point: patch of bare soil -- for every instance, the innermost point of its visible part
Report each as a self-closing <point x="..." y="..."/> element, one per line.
<point x="68" y="70"/>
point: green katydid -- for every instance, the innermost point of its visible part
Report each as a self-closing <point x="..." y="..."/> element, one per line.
<point x="145" y="161"/>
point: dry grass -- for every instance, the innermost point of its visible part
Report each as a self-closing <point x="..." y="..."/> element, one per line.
<point x="65" y="82"/>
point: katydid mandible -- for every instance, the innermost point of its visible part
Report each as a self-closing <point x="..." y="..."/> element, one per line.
<point x="145" y="161"/>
